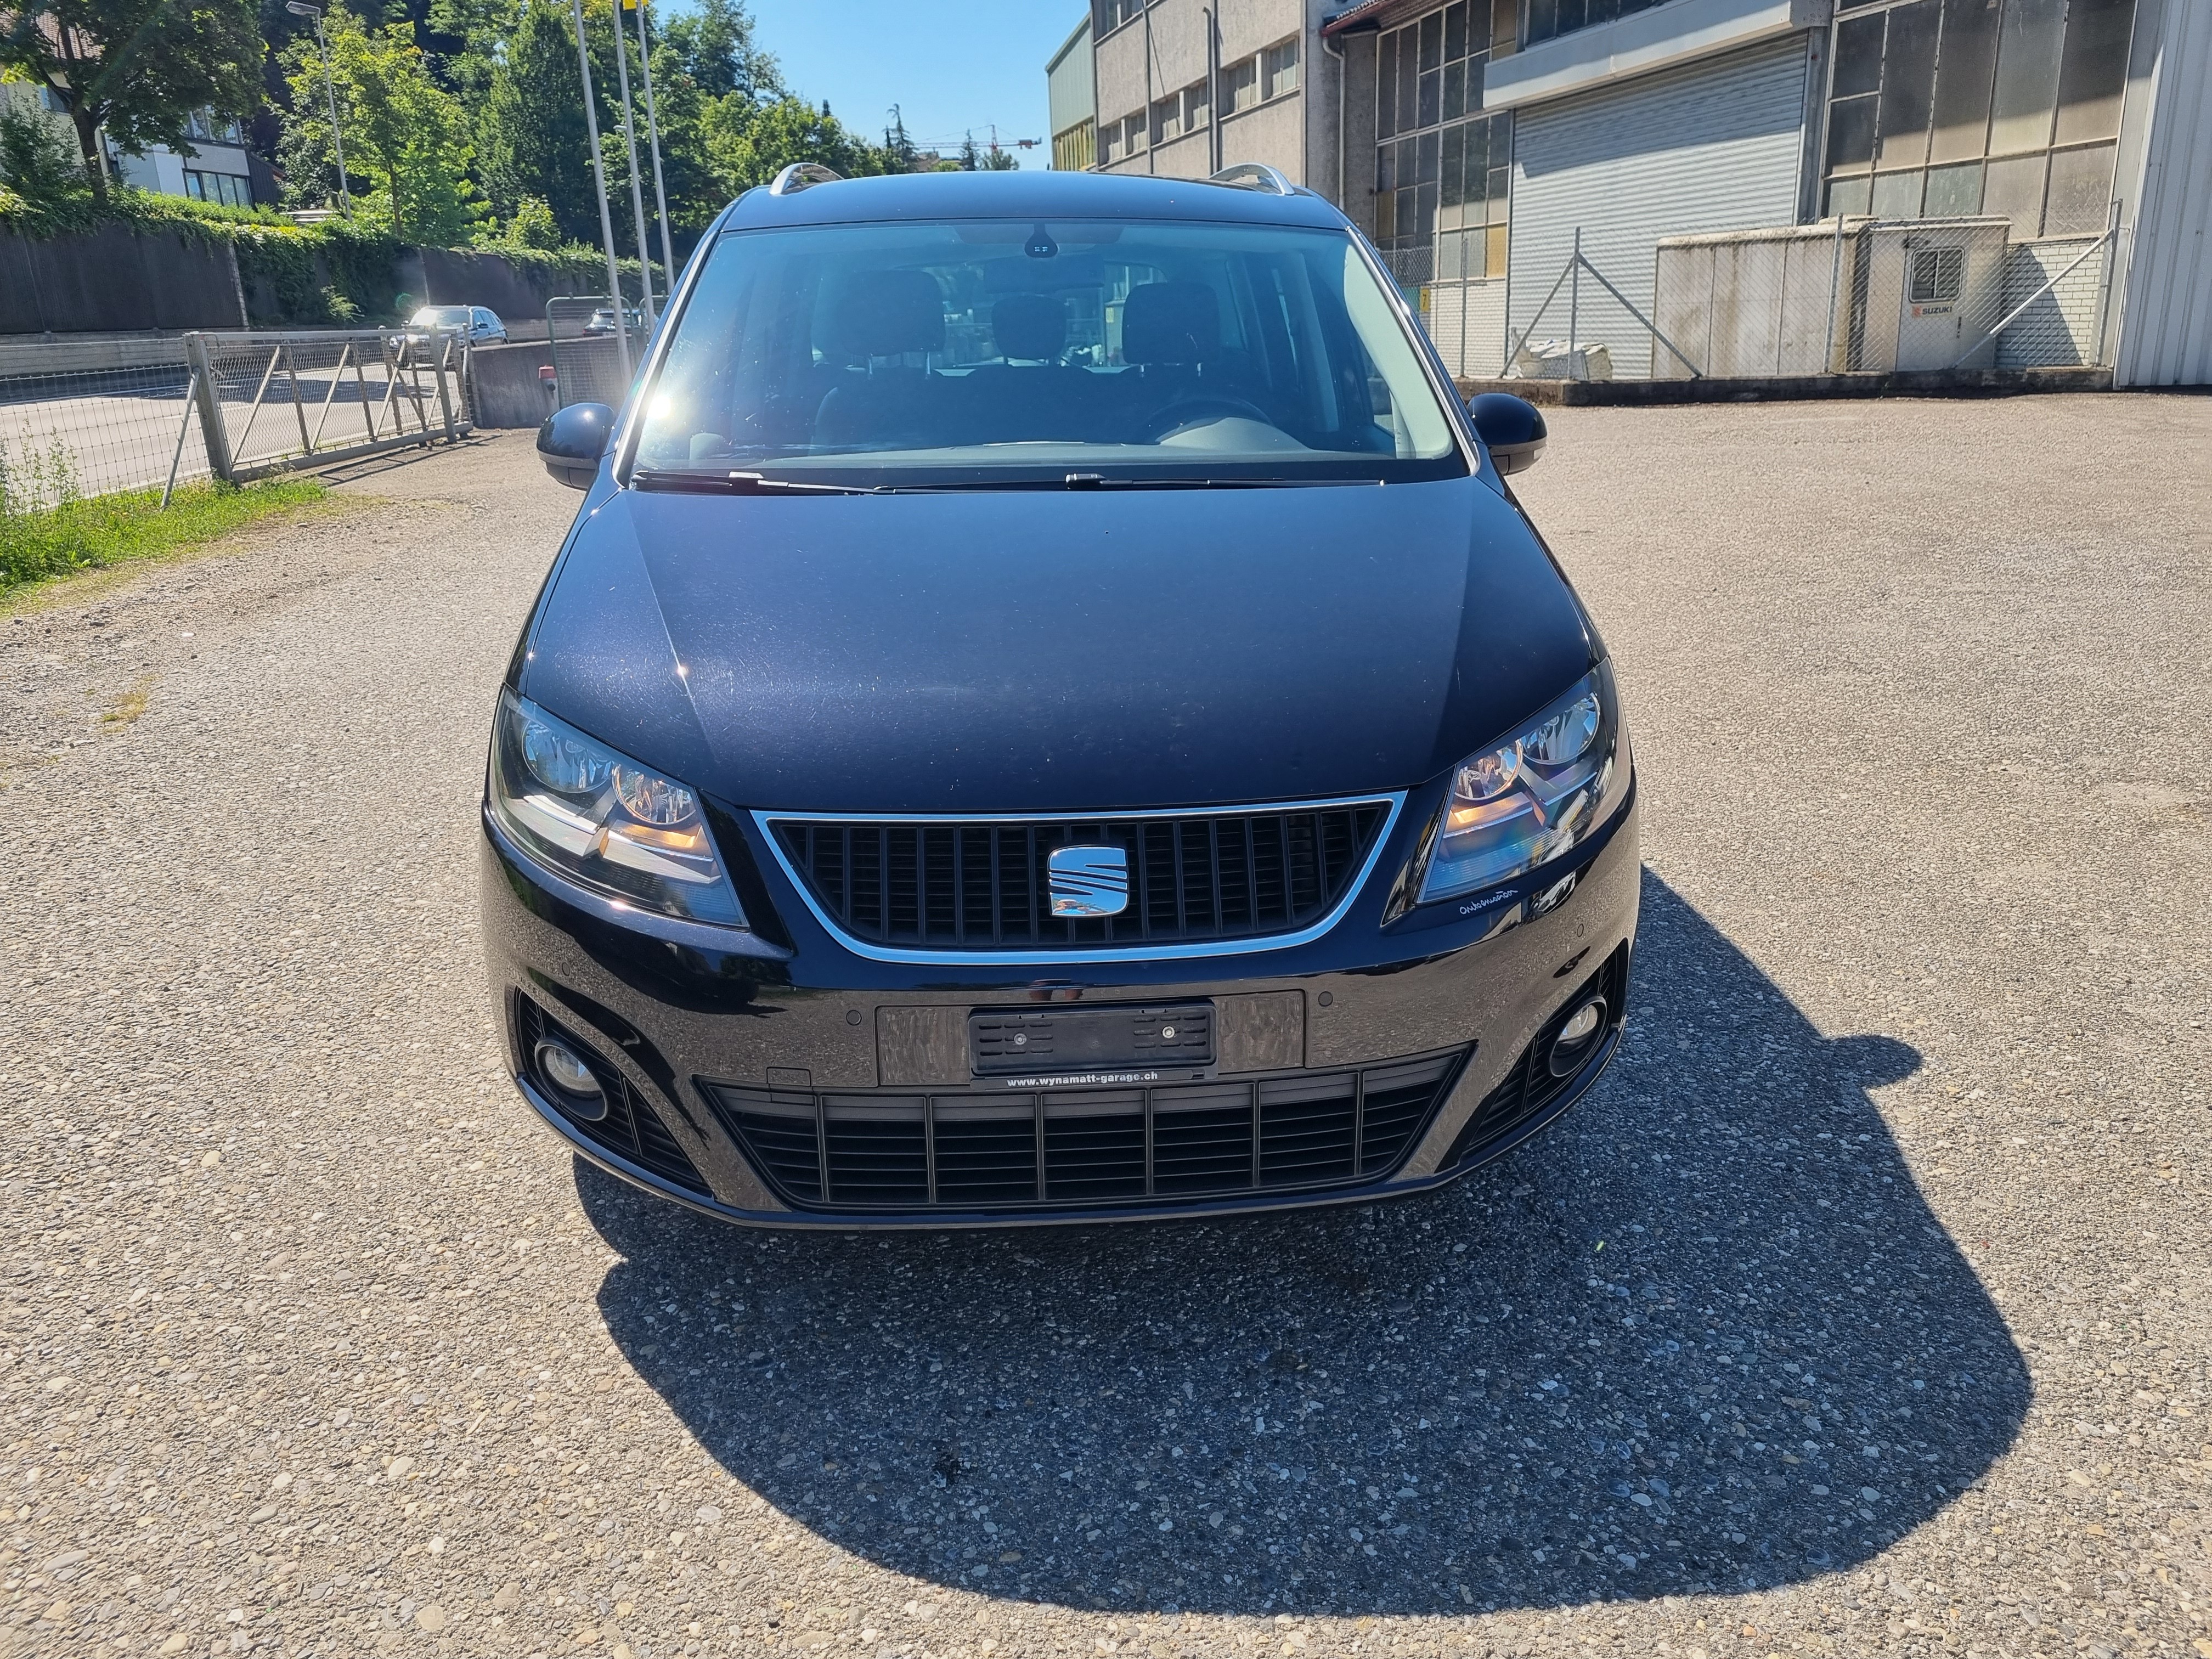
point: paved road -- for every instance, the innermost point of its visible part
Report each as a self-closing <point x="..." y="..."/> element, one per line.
<point x="1863" y="1309"/>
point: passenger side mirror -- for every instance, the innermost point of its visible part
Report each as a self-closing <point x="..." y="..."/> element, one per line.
<point x="1511" y="429"/>
<point x="573" y="441"/>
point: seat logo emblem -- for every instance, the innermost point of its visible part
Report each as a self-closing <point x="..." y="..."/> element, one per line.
<point x="1089" y="881"/>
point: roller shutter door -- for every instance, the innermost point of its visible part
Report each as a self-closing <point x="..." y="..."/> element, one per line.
<point x="1717" y="146"/>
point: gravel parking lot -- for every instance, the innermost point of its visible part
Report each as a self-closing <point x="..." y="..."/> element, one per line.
<point x="1863" y="1309"/>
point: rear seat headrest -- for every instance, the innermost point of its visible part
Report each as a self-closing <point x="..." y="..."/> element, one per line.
<point x="1170" y="323"/>
<point x="887" y="313"/>
<point x="1030" y="326"/>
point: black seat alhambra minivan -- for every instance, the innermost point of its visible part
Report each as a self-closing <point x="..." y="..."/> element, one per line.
<point x="1049" y="712"/>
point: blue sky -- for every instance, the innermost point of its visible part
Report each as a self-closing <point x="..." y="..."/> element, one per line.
<point x="950" y="67"/>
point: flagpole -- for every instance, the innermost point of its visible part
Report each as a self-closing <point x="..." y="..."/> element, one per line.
<point x="599" y="174"/>
<point x="636" y="192"/>
<point x="653" y="137"/>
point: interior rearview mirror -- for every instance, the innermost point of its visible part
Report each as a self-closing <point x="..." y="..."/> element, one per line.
<point x="573" y="441"/>
<point x="1511" y="429"/>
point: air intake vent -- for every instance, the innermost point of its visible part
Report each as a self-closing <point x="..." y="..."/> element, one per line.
<point x="631" y="1129"/>
<point x="891" y="1151"/>
<point x="985" y="886"/>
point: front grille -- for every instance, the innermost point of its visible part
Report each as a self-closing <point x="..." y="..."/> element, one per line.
<point x="1530" y="1087"/>
<point x="984" y="886"/>
<point x="631" y="1128"/>
<point x="885" y="1150"/>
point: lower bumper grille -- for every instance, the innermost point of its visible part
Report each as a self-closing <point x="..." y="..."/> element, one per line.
<point x="1532" y="1085"/>
<point x="886" y="1151"/>
<point x="631" y="1128"/>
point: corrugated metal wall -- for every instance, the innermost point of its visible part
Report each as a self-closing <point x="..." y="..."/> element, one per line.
<point x="1717" y="146"/>
<point x="1468" y="322"/>
<point x="2166" y="319"/>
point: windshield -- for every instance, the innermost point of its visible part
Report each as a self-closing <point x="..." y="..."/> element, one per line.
<point x="1014" y="348"/>
<point x="442" y="317"/>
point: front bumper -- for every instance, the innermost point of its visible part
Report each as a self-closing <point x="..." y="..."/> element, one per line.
<point x="709" y="1052"/>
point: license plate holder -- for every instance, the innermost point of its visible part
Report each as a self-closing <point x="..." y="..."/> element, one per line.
<point x="1038" y="1041"/>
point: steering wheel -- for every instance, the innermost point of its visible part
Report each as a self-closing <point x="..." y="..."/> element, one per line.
<point x="1192" y="411"/>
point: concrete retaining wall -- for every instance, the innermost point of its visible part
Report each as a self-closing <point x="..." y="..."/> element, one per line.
<point x="115" y="278"/>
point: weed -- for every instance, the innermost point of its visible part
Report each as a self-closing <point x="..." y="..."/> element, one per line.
<point x="125" y="706"/>
<point x="46" y="529"/>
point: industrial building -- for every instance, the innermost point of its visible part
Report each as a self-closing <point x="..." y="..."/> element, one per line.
<point x="1718" y="186"/>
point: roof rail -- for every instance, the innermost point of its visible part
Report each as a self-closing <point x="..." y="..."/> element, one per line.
<point x="802" y="175"/>
<point x="1254" y="175"/>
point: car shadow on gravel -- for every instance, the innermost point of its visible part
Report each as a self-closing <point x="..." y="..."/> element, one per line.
<point x="1703" y="1334"/>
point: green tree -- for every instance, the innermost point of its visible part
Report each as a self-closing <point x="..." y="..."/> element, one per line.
<point x="401" y="130"/>
<point x="750" y="143"/>
<point x="714" y="45"/>
<point x="139" y="68"/>
<point x="38" y="164"/>
<point x="464" y="39"/>
<point x="533" y="226"/>
<point x="533" y="136"/>
<point x="532" y="132"/>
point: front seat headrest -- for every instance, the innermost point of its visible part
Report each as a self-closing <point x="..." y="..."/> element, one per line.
<point x="887" y="313"/>
<point x="1030" y="326"/>
<point x="1170" y="323"/>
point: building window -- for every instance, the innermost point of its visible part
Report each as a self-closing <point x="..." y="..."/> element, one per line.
<point x="1109" y="14"/>
<point x="1278" y="69"/>
<point x="1134" y="132"/>
<point x="227" y="188"/>
<point x="1443" y="169"/>
<point x="1195" y="109"/>
<point x="1166" y="118"/>
<point x="1239" y="86"/>
<point x="205" y="125"/>
<point x="1548" y="18"/>
<point x="1076" y="149"/>
<point x="1962" y="108"/>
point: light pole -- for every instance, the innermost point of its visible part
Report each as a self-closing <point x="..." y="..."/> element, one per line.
<point x="300" y="8"/>
<point x="599" y="175"/>
<point x="636" y="191"/>
<point x="652" y="133"/>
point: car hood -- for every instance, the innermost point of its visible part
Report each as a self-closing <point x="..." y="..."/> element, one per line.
<point x="1062" y="652"/>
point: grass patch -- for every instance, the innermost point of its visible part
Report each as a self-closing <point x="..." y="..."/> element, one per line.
<point x="125" y="706"/>
<point x="39" y="543"/>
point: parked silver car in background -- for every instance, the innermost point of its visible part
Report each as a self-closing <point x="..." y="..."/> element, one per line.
<point x="477" y="325"/>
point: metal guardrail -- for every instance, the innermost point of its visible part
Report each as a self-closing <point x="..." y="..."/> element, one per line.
<point x="369" y="382"/>
<point x="95" y="418"/>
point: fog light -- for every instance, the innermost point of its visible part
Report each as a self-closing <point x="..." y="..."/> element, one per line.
<point x="1576" y="1038"/>
<point x="572" y="1079"/>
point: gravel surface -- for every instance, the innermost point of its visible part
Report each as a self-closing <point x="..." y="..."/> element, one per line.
<point x="1863" y="1309"/>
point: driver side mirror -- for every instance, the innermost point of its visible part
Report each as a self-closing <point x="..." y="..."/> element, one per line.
<point x="1511" y="429"/>
<point x="574" y="439"/>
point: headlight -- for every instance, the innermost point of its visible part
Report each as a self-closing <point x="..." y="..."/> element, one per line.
<point x="1527" y="801"/>
<point x="602" y="821"/>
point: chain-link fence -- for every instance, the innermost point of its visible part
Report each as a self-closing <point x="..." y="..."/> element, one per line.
<point x="96" y="417"/>
<point x="1846" y="296"/>
<point x="596" y="349"/>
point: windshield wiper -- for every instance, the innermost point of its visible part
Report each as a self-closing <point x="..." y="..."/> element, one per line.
<point x="737" y="484"/>
<point x="1105" y="481"/>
